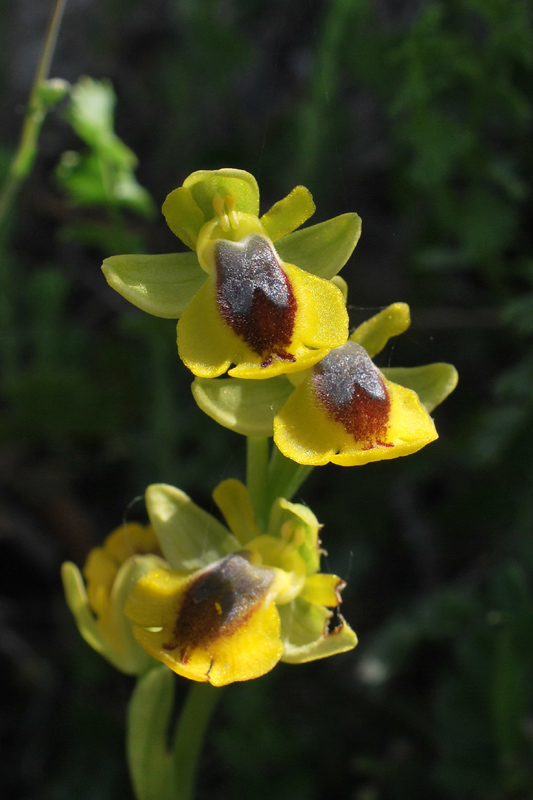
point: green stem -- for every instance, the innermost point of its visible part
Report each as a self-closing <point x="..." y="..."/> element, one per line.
<point x="257" y="452"/>
<point x="18" y="170"/>
<point x="190" y="734"/>
<point x="285" y="476"/>
<point x="33" y="119"/>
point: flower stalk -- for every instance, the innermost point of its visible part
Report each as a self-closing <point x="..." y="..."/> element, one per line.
<point x="34" y="116"/>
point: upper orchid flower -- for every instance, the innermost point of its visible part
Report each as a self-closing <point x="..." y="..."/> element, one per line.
<point x="243" y="304"/>
<point x="232" y="603"/>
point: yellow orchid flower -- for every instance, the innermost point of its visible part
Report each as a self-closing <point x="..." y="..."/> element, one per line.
<point x="235" y="601"/>
<point x="244" y="305"/>
<point x="98" y="603"/>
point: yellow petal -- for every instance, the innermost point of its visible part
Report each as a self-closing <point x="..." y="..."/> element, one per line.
<point x="131" y="539"/>
<point x="219" y="624"/>
<point x="375" y="332"/>
<point x="206" y="345"/>
<point x="289" y="213"/>
<point x="233" y="499"/>
<point x="322" y="589"/>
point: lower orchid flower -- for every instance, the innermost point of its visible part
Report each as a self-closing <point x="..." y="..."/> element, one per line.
<point x="233" y="602"/>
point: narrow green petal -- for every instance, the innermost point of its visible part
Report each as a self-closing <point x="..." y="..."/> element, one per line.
<point x="247" y="407"/>
<point x="150" y="761"/>
<point x="374" y="334"/>
<point x="288" y="214"/>
<point x="305" y="636"/>
<point x="322" y="249"/>
<point x="233" y="499"/>
<point x="161" y="285"/>
<point x="190" y="538"/>
<point x="205" y="184"/>
<point x="432" y="382"/>
<point x="183" y="216"/>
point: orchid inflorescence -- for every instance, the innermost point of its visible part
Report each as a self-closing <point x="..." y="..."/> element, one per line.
<point x="263" y="327"/>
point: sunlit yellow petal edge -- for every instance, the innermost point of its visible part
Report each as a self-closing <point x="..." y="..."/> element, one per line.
<point x="304" y="433"/>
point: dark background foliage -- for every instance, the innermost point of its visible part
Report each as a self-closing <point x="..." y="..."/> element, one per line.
<point x="418" y="116"/>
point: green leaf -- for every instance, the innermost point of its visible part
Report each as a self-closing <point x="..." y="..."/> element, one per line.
<point x="151" y="765"/>
<point x="302" y="633"/>
<point x="288" y="214"/>
<point x="432" y="382"/>
<point x="93" y="180"/>
<point x="322" y="249"/>
<point x="247" y="407"/>
<point x="90" y="113"/>
<point x="162" y="285"/>
<point x="374" y="334"/>
<point x="190" y="538"/>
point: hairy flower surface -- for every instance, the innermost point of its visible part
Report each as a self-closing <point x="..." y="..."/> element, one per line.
<point x="344" y="409"/>
<point x="233" y="602"/>
<point x="98" y="604"/>
<point x="243" y="304"/>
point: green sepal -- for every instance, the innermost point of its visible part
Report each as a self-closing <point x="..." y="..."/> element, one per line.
<point x="304" y="633"/>
<point x="341" y="284"/>
<point x="150" y="761"/>
<point x="183" y="216"/>
<point x="245" y="406"/>
<point x="162" y="285"/>
<point x="289" y="213"/>
<point x="322" y="249"/>
<point x="205" y="184"/>
<point x="285" y="476"/>
<point x="189" y="537"/>
<point x="375" y="332"/>
<point x="432" y="382"/>
<point x="302" y="518"/>
<point x="78" y="603"/>
<point x="123" y="652"/>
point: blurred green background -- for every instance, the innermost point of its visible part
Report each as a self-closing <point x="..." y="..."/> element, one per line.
<point x="417" y="114"/>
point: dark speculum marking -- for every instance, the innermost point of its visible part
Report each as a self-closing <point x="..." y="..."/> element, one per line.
<point x="255" y="296"/>
<point x="217" y="603"/>
<point x="352" y="392"/>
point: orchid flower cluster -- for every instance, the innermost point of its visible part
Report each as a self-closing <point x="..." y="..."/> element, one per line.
<point x="263" y="327"/>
